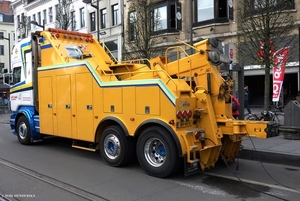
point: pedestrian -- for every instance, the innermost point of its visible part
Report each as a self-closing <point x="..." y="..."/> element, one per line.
<point x="246" y="99"/>
<point x="235" y="106"/>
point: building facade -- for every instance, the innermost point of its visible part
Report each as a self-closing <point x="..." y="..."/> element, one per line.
<point x="83" y="17"/>
<point x="7" y="32"/>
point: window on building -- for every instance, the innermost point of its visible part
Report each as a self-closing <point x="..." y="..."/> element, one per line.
<point x="1" y="17"/>
<point x="50" y="14"/>
<point x="258" y="4"/>
<point x="34" y="19"/>
<point x="18" y="21"/>
<point x="166" y="16"/>
<point x="132" y="26"/>
<point x="113" y="47"/>
<point x="1" y="35"/>
<point x="56" y="11"/>
<point x="211" y="11"/>
<point x="73" y="23"/>
<point x="1" y="66"/>
<point x="28" y="23"/>
<point x="45" y="16"/>
<point x="39" y="18"/>
<point x="205" y="10"/>
<point x="1" y="49"/>
<point x="160" y="18"/>
<point x="103" y="18"/>
<point x="93" y="21"/>
<point x="115" y="10"/>
<point x="23" y="19"/>
<point x="82" y="17"/>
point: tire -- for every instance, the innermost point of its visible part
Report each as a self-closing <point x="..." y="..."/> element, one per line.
<point x="157" y="153"/>
<point x="23" y="131"/>
<point x="278" y="118"/>
<point x="115" y="148"/>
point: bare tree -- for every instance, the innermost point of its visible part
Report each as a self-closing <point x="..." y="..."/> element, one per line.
<point x="142" y="34"/>
<point x="264" y="26"/>
<point x="65" y="18"/>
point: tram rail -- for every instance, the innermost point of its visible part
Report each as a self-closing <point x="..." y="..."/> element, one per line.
<point x="54" y="182"/>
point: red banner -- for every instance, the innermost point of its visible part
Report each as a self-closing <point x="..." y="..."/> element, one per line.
<point x="280" y="58"/>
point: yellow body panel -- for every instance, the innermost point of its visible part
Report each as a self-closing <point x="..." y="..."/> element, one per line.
<point x="63" y="106"/>
<point x="112" y="100"/>
<point x="147" y="102"/>
<point x="84" y="107"/>
<point x="46" y="98"/>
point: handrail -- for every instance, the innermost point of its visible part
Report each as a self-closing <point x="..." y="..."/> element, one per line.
<point x="178" y="48"/>
<point x="107" y="50"/>
<point x="136" y="61"/>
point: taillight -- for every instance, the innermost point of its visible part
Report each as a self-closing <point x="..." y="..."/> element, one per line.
<point x="189" y="113"/>
<point x="179" y="114"/>
<point x="200" y="135"/>
<point x="184" y="113"/>
<point x="197" y="135"/>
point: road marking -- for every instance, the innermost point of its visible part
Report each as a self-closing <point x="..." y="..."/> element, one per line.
<point x="202" y="188"/>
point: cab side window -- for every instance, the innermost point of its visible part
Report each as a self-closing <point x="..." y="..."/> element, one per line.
<point x="16" y="75"/>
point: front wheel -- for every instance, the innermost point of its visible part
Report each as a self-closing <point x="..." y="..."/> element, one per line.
<point x="157" y="153"/>
<point x="23" y="131"/>
<point x="115" y="148"/>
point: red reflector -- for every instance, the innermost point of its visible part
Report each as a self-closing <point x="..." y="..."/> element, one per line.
<point x="189" y="113"/>
<point x="171" y="122"/>
<point x="179" y="114"/>
<point x="184" y="113"/>
<point x="197" y="135"/>
<point x="57" y="35"/>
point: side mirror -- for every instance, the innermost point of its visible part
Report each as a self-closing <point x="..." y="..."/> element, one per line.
<point x="7" y="79"/>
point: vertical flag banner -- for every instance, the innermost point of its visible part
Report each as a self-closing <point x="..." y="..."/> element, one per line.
<point x="280" y="58"/>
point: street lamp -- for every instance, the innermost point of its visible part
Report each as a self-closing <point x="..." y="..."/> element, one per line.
<point x="101" y="33"/>
<point x="37" y="24"/>
<point x="9" y="58"/>
<point x="97" y="13"/>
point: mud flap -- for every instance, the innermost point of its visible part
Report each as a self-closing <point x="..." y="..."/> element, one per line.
<point x="191" y="168"/>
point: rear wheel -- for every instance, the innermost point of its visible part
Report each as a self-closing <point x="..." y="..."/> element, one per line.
<point x="115" y="148"/>
<point x="23" y="131"/>
<point x="157" y="153"/>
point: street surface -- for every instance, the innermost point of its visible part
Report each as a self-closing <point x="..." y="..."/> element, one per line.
<point x="53" y="170"/>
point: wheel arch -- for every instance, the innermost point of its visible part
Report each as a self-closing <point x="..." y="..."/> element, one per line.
<point x="109" y="121"/>
<point x="28" y="112"/>
<point x="155" y="122"/>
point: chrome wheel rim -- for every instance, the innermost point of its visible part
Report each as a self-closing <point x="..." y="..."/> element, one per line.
<point x="112" y="146"/>
<point x="22" y="131"/>
<point x="155" y="152"/>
